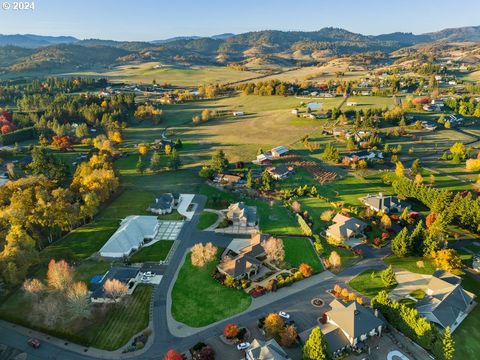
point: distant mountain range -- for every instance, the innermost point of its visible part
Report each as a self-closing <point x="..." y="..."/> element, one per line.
<point x="29" y="52"/>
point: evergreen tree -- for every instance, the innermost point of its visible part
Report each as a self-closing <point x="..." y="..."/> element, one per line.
<point x="249" y="179"/>
<point x="331" y="154"/>
<point x="219" y="161"/>
<point x="404" y="215"/>
<point x="400" y="243"/>
<point x="266" y="181"/>
<point x="415" y="169"/>
<point x="313" y="191"/>
<point x="448" y="344"/>
<point x="155" y="162"/>
<point x="399" y="169"/>
<point x="44" y="163"/>
<point x="140" y="167"/>
<point x="174" y="163"/>
<point x="416" y="238"/>
<point x="388" y="276"/>
<point x="315" y="347"/>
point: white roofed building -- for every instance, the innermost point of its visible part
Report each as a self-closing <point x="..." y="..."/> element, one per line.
<point x="130" y="236"/>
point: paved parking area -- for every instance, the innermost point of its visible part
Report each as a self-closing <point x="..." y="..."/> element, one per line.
<point x="408" y="282"/>
<point x="169" y="230"/>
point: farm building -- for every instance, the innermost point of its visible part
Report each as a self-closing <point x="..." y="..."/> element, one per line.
<point x="279" y="151"/>
<point x="130" y="236"/>
<point x="238" y="113"/>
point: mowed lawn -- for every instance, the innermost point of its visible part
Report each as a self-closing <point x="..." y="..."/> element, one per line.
<point x="206" y="219"/>
<point x="411" y="264"/>
<point x="155" y="252"/>
<point x="124" y="321"/>
<point x="369" y="283"/>
<point x="88" y="239"/>
<point x="198" y="300"/>
<point x="300" y="250"/>
<point x="467" y="334"/>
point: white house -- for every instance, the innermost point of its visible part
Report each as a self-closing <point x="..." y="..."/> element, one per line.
<point x="134" y="230"/>
<point x="238" y="113"/>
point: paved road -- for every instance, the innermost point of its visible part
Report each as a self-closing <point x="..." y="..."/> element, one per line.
<point x="296" y="302"/>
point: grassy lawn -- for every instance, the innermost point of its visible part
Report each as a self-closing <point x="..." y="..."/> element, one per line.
<point x="410" y="264"/>
<point x="467" y="334"/>
<point x="300" y="250"/>
<point x="206" y="219"/>
<point x="198" y="300"/>
<point x="81" y="242"/>
<point x="368" y="284"/>
<point x="130" y="202"/>
<point x="155" y="252"/>
<point x="418" y="294"/>
<point x="124" y="321"/>
<point x="465" y="256"/>
<point x="174" y="215"/>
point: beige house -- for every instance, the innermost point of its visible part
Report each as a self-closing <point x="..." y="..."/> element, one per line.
<point x="265" y="350"/>
<point x="242" y="215"/>
<point x="345" y="227"/>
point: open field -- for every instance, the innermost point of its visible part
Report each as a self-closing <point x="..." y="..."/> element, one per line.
<point x="369" y="283"/>
<point x="198" y="300"/>
<point x="299" y="250"/>
<point x="145" y="73"/>
<point x="155" y="252"/>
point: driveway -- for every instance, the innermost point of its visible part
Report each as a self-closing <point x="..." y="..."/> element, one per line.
<point x="408" y="282"/>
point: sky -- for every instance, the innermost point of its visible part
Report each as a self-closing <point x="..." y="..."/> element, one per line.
<point x="147" y="20"/>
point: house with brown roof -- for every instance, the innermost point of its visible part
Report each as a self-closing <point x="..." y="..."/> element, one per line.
<point x="446" y="302"/>
<point x="243" y="257"/>
<point x="345" y="227"/>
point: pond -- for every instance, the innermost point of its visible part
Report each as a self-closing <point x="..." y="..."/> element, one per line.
<point x="314" y="105"/>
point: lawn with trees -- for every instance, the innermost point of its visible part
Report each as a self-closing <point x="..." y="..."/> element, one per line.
<point x="370" y="283"/>
<point x="198" y="300"/>
<point x="299" y="250"/>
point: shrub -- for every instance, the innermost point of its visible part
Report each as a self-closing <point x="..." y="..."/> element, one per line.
<point x="231" y="331"/>
<point x="305" y="270"/>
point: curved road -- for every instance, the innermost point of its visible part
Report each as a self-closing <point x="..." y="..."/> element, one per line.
<point x="296" y="303"/>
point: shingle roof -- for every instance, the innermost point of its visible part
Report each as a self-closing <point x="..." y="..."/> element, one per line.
<point x="131" y="233"/>
<point x="163" y="202"/>
<point x="353" y="318"/>
<point x="123" y="274"/>
<point x="266" y="350"/>
<point x="344" y="227"/>
<point x="446" y="300"/>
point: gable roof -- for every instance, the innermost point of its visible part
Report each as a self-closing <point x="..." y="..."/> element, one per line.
<point x="379" y="201"/>
<point x="354" y="319"/>
<point x="131" y="233"/>
<point x="163" y="202"/>
<point x="123" y="274"/>
<point x="446" y="300"/>
<point x="241" y="211"/>
<point x="280" y="149"/>
<point x="266" y="350"/>
<point x="344" y="227"/>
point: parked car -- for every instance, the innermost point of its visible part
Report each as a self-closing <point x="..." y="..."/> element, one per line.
<point x="35" y="343"/>
<point x="148" y="274"/>
<point x="284" y="315"/>
<point x="243" y="346"/>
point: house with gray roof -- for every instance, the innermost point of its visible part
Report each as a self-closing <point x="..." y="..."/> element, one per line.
<point x="164" y="203"/>
<point x="266" y="350"/>
<point x="446" y="302"/>
<point x="345" y="228"/>
<point x="349" y="325"/>
<point x="387" y="204"/>
<point x="126" y="275"/>
<point x="242" y="215"/>
<point x="133" y="232"/>
<point x="279" y="151"/>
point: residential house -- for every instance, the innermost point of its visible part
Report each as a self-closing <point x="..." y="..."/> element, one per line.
<point x="280" y="172"/>
<point x="387" y="204"/>
<point x="127" y="275"/>
<point x="262" y="159"/>
<point x="242" y="215"/>
<point x="476" y="262"/>
<point x="365" y="155"/>
<point x="351" y="104"/>
<point x="428" y="107"/>
<point x="279" y="151"/>
<point x="428" y="125"/>
<point x="227" y="179"/>
<point x="243" y="257"/>
<point x="238" y="113"/>
<point x="348" y="325"/>
<point x="345" y="228"/>
<point x="164" y="203"/>
<point x="266" y="350"/>
<point x="133" y="232"/>
<point x="446" y="303"/>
